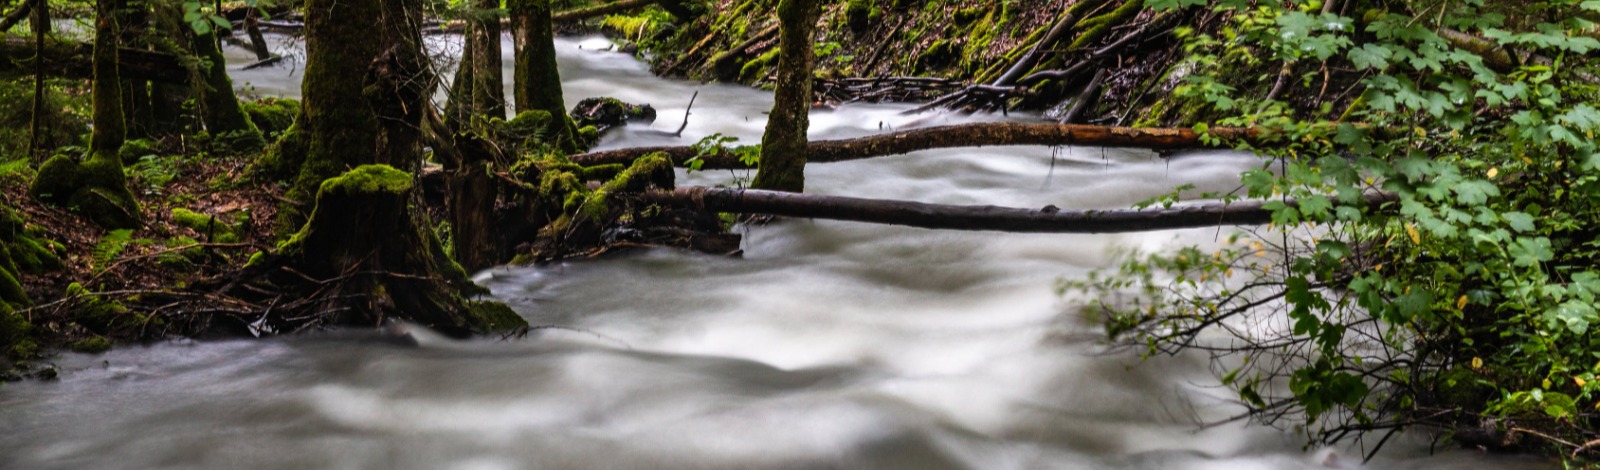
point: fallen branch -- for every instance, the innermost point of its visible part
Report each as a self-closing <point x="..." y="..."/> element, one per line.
<point x="1048" y="219"/>
<point x="960" y="135"/>
<point x="11" y="19"/>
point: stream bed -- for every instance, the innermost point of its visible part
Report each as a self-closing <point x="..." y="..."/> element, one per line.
<point x="826" y="345"/>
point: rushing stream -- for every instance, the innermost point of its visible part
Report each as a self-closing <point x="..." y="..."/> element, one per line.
<point x="827" y="345"/>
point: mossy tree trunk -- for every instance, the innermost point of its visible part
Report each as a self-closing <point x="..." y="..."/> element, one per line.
<point x="783" y="146"/>
<point x="367" y="244"/>
<point x="40" y="20"/>
<point x="538" y="83"/>
<point x="220" y="110"/>
<point x="96" y="188"/>
<point x="134" y="16"/>
<point x="338" y="128"/>
<point x="483" y="44"/>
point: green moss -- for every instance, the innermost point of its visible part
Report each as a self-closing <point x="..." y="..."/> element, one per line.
<point x="495" y="317"/>
<point x="92" y="345"/>
<point x="134" y="149"/>
<point x="215" y="229"/>
<point x="756" y="69"/>
<point x="101" y="314"/>
<point x="937" y="55"/>
<point x="96" y="188"/>
<point x="56" y="180"/>
<point x="11" y="293"/>
<point x="273" y="116"/>
<point x="858" y="13"/>
<point x="284" y="157"/>
<point x="368" y="179"/>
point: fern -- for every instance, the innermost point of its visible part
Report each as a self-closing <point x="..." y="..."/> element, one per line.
<point x="109" y="247"/>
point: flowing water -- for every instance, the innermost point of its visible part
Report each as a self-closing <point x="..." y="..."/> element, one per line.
<point x="827" y="345"/>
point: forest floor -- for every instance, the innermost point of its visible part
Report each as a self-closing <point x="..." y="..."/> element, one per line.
<point x="163" y="254"/>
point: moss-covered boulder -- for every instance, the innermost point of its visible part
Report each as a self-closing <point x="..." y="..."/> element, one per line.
<point x="95" y="188"/>
<point x="272" y="116"/>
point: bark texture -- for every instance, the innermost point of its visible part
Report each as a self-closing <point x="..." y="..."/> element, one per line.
<point x="538" y="83"/>
<point x="783" y="146"/>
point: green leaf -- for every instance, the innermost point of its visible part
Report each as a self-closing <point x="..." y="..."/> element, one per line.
<point x="1519" y="221"/>
<point x="1370" y="56"/>
<point x="1530" y="251"/>
<point x="1576" y="316"/>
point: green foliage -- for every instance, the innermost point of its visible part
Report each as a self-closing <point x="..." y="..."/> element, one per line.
<point x="108" y="248"/>
<point x="1469" y="297"/>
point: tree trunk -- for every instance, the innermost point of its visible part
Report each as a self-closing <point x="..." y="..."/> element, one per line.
<point x="960" y="135"/>
<point x="41" y="18"/>
<point x="339" y="129"/>
<point x="783" y="146"/>
<point x="367" y="252"/>
<point x="96" y="188"/>
<point x="1048" y="219"/>
<point x="252" y="28"/>
<point x="135" y="18"/>
<point x="220" y="111"/>
<point x="483" y="44"/>
<point x="538" y="83"/>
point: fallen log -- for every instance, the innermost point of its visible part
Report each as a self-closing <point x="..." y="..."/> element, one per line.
<point x="73" y="59"/>
<point x="1048" y="219"/>
<point x="959" y="135"/>
<point x="581" y="14"/>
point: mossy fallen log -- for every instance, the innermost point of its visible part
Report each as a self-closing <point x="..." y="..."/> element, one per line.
<point x="960" y="135"/>
<point x="1048" y="219"/>
<point x="74" y="59"/>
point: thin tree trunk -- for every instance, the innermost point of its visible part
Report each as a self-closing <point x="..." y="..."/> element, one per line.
<point x="783" y="146"/>
<point x="220" y="111"/>
<point x="135" y="18"/>
<point x="1048" y="219"/>
<point x="41" y="18"/>
<point x="258" y="42"/>
<point x="488" y="85"/>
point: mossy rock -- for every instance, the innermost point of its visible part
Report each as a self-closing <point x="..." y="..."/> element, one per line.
<point x="92" y="345"/>
<point x="97" y="189"/>
<point x="103" y="315"/>
<point x="57" y="179"/>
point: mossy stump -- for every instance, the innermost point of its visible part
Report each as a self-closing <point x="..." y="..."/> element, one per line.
<point x="370" y="260"/>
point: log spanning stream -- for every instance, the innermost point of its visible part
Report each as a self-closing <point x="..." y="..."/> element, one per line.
<point x="827" y="345"/>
